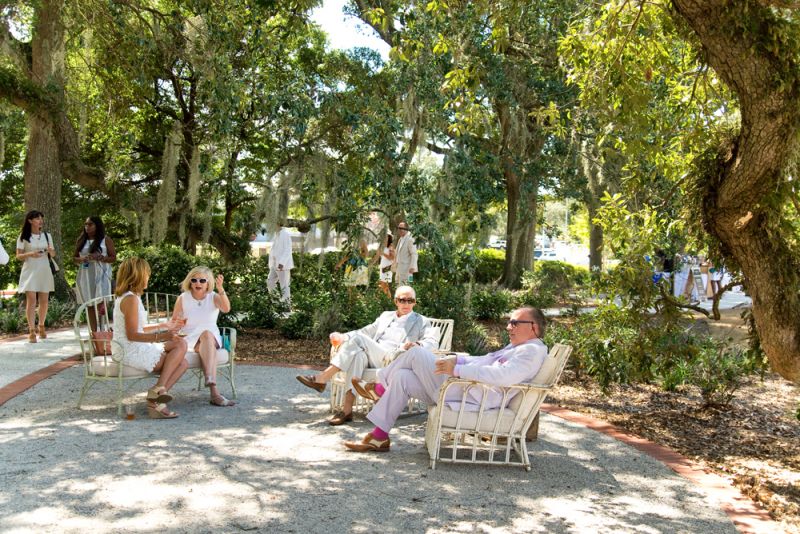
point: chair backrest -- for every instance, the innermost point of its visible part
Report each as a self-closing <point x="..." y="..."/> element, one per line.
<point x="546" y="377"/>
<point x="445" y="327"/>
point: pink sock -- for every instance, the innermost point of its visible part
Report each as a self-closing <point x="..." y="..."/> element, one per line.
<point x="379" y="434"/>
<point x="379" y="389"/>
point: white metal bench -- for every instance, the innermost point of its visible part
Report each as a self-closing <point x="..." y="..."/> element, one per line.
<point x="487" y="436"/>
<point x="100" y="366"/>
<point x="339" y="388"/>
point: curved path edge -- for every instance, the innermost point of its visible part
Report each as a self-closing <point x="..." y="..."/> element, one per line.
<point x="743" y="512"/>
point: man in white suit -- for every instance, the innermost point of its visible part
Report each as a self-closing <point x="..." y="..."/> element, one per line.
<point x="374" y="346"/>
<point x="281" y="262"/>
<point x="419" y="374"/>
<point x="405" y="255"/>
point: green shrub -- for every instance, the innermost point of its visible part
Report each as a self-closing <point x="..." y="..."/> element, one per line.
<point x="553" y="282"/>
<point x="718" y="371"/>
<point x="491" y="303"/>
<point x="470" y="337"/>
<point x="59" y="313"/>
<point x="10" y="321"/>
<point x="489" y="265"/>
<point x="169" y="265"/>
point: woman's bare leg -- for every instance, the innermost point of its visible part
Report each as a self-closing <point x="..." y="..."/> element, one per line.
<point x="207" y="350"/>
<point x="30" y="311"/>
<point x="44" y="301"/>
<point x="174" y="363"/>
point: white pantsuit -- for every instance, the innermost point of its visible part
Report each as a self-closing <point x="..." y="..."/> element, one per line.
<point x="367" y="347"/>
<point x="405" y="259"/>
<point x="281" y="255"/>
<point x="356" y="354"/>
<point x="412" y="375"/>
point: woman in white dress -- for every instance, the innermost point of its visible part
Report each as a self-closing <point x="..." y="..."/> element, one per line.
<point x="34" y="247"/>
<point x="199" y="306"/>
<point x="150" y="348"/>
<point x="386" y="256"/>
<point x="94" y="254"/>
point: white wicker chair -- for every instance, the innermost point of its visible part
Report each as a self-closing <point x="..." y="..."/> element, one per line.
<point x="339" y="388"/>
<point x="487" y="436"/>
<point x="104" y="368"/>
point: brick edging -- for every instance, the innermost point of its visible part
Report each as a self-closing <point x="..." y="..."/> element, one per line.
<point x="28" y="381"/>
<point x="743" y="512"/>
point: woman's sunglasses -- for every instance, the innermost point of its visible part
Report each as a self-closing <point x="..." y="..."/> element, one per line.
<point x="200" y="280"/>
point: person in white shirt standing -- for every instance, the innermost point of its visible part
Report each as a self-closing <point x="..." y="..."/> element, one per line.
<point x="3" y="255"/>
<point x="405" y="259"/>
<point x="281" y="262"/>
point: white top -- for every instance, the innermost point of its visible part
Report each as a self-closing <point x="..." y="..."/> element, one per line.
<point x="3" y="255"/>
<point x="281" y="252"/>
<point x="385" y="262"/>
<point x="136" y="354"/>
<point x="94" y="277"/>
<point x="35" y="274"/>
<point x="200" y="315"/>
<point x="395" y="333"/>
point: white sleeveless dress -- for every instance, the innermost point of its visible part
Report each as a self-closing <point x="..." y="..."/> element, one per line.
<point x="200" y="315"/>
<point x="137" y="354"/>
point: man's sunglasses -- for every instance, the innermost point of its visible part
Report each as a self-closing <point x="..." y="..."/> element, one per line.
<point x="201" y="280"/>
<point x="405" y="301"/>
<point x="514" y="322"/>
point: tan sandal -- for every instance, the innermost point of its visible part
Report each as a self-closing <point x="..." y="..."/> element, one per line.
<point x="160" y="411"/>
<point x="42" y="333"/>
<point x="158" y="394"/>
<point x="32" y="337"/>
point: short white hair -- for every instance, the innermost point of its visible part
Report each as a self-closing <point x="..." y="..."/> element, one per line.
<point x="405" y="289"/>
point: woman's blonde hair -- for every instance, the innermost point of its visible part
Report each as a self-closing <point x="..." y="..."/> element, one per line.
<point x="201" y="271"/>
<point x="132" y="276"/>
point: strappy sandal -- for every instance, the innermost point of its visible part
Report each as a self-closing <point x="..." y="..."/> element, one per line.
<point x="160" y="411"/>
<point x="32" y="337"/>
<point x="42" y="333"/>
<point x="221" y="401"/>
<point x="158" y="394"/>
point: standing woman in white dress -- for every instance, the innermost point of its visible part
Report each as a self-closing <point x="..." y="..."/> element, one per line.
<point x="94" y="254"/>
<point x="34" y="247"/>
<point x="154" y="348"/>
<point x="199" y="306"/>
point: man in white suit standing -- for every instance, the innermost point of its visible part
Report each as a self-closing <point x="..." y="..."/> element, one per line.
<point x="374" y="345"/>
<point x="419" y="374"/>
<point x="405" y="256"/>
<point x="281" y="262"/>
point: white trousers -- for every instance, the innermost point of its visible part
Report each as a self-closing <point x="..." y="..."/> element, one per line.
<point x="356" y="354"/>
<point x="283" y="277"/>
<point x="410" y="375"/>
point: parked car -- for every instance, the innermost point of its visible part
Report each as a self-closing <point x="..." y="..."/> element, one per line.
<point x="500" y="244"/>
<point x="545" y="254"/>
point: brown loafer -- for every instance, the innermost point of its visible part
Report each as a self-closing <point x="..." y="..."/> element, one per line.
<point x="366" y="389"/>
<point x="368" y="444"/>
<point x="309" y="381"/>
<point x="340" y="418"/>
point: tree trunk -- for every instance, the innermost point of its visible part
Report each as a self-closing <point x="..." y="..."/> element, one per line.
<point x="740" y="205"/>
<point x="43" y="175"/>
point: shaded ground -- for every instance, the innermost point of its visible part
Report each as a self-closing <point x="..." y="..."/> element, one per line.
<point x="755" y="443"/>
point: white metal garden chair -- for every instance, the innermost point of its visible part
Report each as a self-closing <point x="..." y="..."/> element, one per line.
<point x="101" y="366"/>
<point x="339" y="388"/>
<point x="488" y="436"/>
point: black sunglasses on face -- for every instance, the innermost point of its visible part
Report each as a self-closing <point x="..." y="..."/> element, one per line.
<point x="405" y="301"/>
<point x="514" y="322"/>
<point x="201" y="280"/>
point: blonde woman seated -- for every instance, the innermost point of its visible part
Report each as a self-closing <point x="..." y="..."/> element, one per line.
<point x="199" y="306"/>
<point x="156" y="348"/>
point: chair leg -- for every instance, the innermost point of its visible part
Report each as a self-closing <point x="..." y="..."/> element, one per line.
<point x="87" y="384"/>
<point x="232" y="381"/>
<point x="533" y="430"/>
